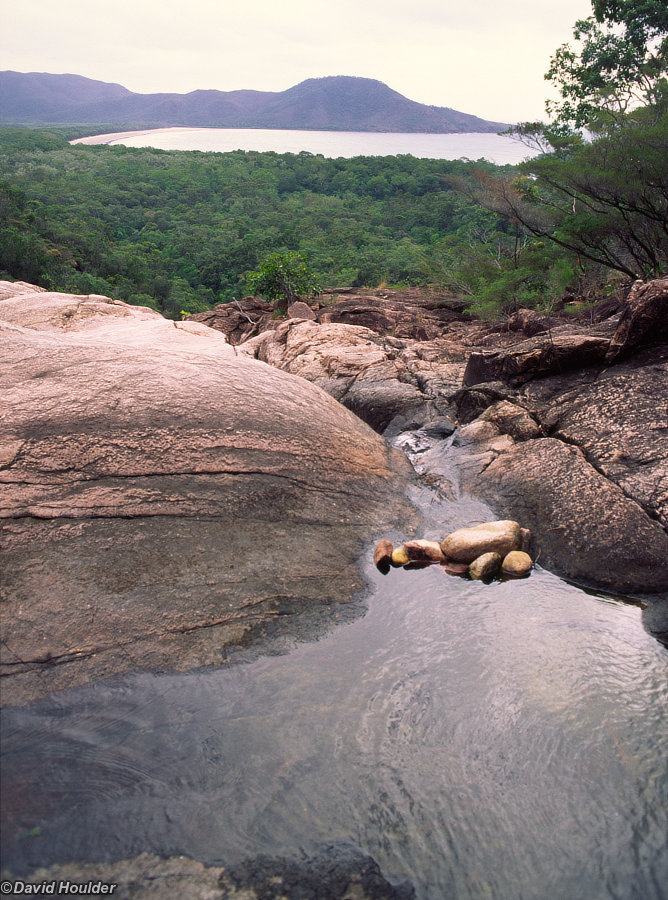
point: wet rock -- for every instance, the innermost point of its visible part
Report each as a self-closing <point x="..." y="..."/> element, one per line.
<point x="516" y="564"/>
<point x="453" y="568"/>
<point x="382" y="556"/>
<point x="144" y="462"/>
<point x="485" y="566"/>
<point x="424" y="551"/>
<point x="467" y="544"/>
<point x="333" y="872"/>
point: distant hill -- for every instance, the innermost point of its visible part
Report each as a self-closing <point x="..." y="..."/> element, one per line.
<point x="338" y="103"/>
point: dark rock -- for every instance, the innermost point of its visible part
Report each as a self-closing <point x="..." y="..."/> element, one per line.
<point x="562" y="351"/>
<point x="335" y="872"/>
<point x="530" y="322"/>
<point x="332" y="872"/>
<point x="470" y="402"/>
<point x="644" y="320"/>
<point x="239" y="320"/>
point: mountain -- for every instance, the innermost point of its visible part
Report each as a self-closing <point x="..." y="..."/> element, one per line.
<point x="335" y="103"/>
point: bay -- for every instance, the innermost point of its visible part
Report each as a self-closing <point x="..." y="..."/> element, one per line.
<point x="496" y="148"/>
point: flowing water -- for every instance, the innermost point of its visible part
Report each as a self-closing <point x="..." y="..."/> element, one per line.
<point x="482" y="741"/>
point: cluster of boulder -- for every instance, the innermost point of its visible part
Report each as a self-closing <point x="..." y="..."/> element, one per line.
<point x="481" y="552"/>
<point x="560" y="421"/>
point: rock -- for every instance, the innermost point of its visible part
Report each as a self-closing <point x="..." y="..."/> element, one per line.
<point x="485" y="566"/>
<point x="618" y="419"/>
<point x="143" y="466"/>
<point x="510" y="419"/>
<point x="380" y="379"/>
<point x="588" y="530"/>
<point x="526" y="540"/>
<point x="531" y="322"/>
<point x="424" y="551"/>
<point x="467" y="544"/>
<point x="239" y="320"/>
<point x="382" y="556"/>
<point x="644" y="320"/>
<point x="333" y="871"/>
<point x="564" y="349"/>
<point x="453" y="568"/>
<point x="516" y="564"/>
<point x="301" y="310"/>
<point x="413" y="314"/>
<point x="400" y="556"/>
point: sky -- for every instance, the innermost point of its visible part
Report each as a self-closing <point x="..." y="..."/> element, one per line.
<point x="485" y="57"/>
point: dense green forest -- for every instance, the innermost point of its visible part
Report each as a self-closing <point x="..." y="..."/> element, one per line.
<point x="181" y="231"/>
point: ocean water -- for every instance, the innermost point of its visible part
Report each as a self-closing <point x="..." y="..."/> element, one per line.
<point x="496" y="148"/>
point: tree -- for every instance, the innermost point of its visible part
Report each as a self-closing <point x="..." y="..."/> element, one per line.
<point x="283" y="277"/>
<point x="603" y="197"/>
<point x="621" y="64"/>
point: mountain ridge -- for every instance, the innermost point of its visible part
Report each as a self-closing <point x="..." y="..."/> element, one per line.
<point x="331" y="103"/>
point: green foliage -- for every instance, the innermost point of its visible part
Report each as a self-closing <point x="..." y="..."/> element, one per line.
<point x="603" y="197"/>
<point x="500" y="267"/>
<point x="284" y="277"/>
<point x="621" y="64"/>
<point x="179" y="231"/>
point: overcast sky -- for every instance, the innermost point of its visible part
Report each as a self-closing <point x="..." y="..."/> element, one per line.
<point x="485" y="57"/>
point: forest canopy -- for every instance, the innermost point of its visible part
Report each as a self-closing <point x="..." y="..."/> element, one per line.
<point x="181" y="231"/>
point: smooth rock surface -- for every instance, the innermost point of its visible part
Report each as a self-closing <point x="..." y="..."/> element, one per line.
<point x="466" y="544"/>
<point x="163" y="499"/>
<point x="485" y="566"/>
<point x="517" y="564"/>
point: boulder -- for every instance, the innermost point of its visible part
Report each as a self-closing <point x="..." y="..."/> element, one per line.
<point x="165" y="500"/>
<point x="382" y="555"/>
<point x="644" y="320"/>
<point x="424" y="551"/>
<point x="485" y="566"/>
<point x="380" y="379"/>
<point x="516" y="564"/>
<point x="300" y="310"/>
<point x="467" y="544"/>
<point x="587" y="529"/>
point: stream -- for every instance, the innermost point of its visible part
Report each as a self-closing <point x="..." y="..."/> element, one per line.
<point x="505" y="741"/>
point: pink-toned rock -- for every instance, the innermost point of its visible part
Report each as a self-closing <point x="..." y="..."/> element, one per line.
<point x="143" y="464"/>
<point x="300" y="310"/>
